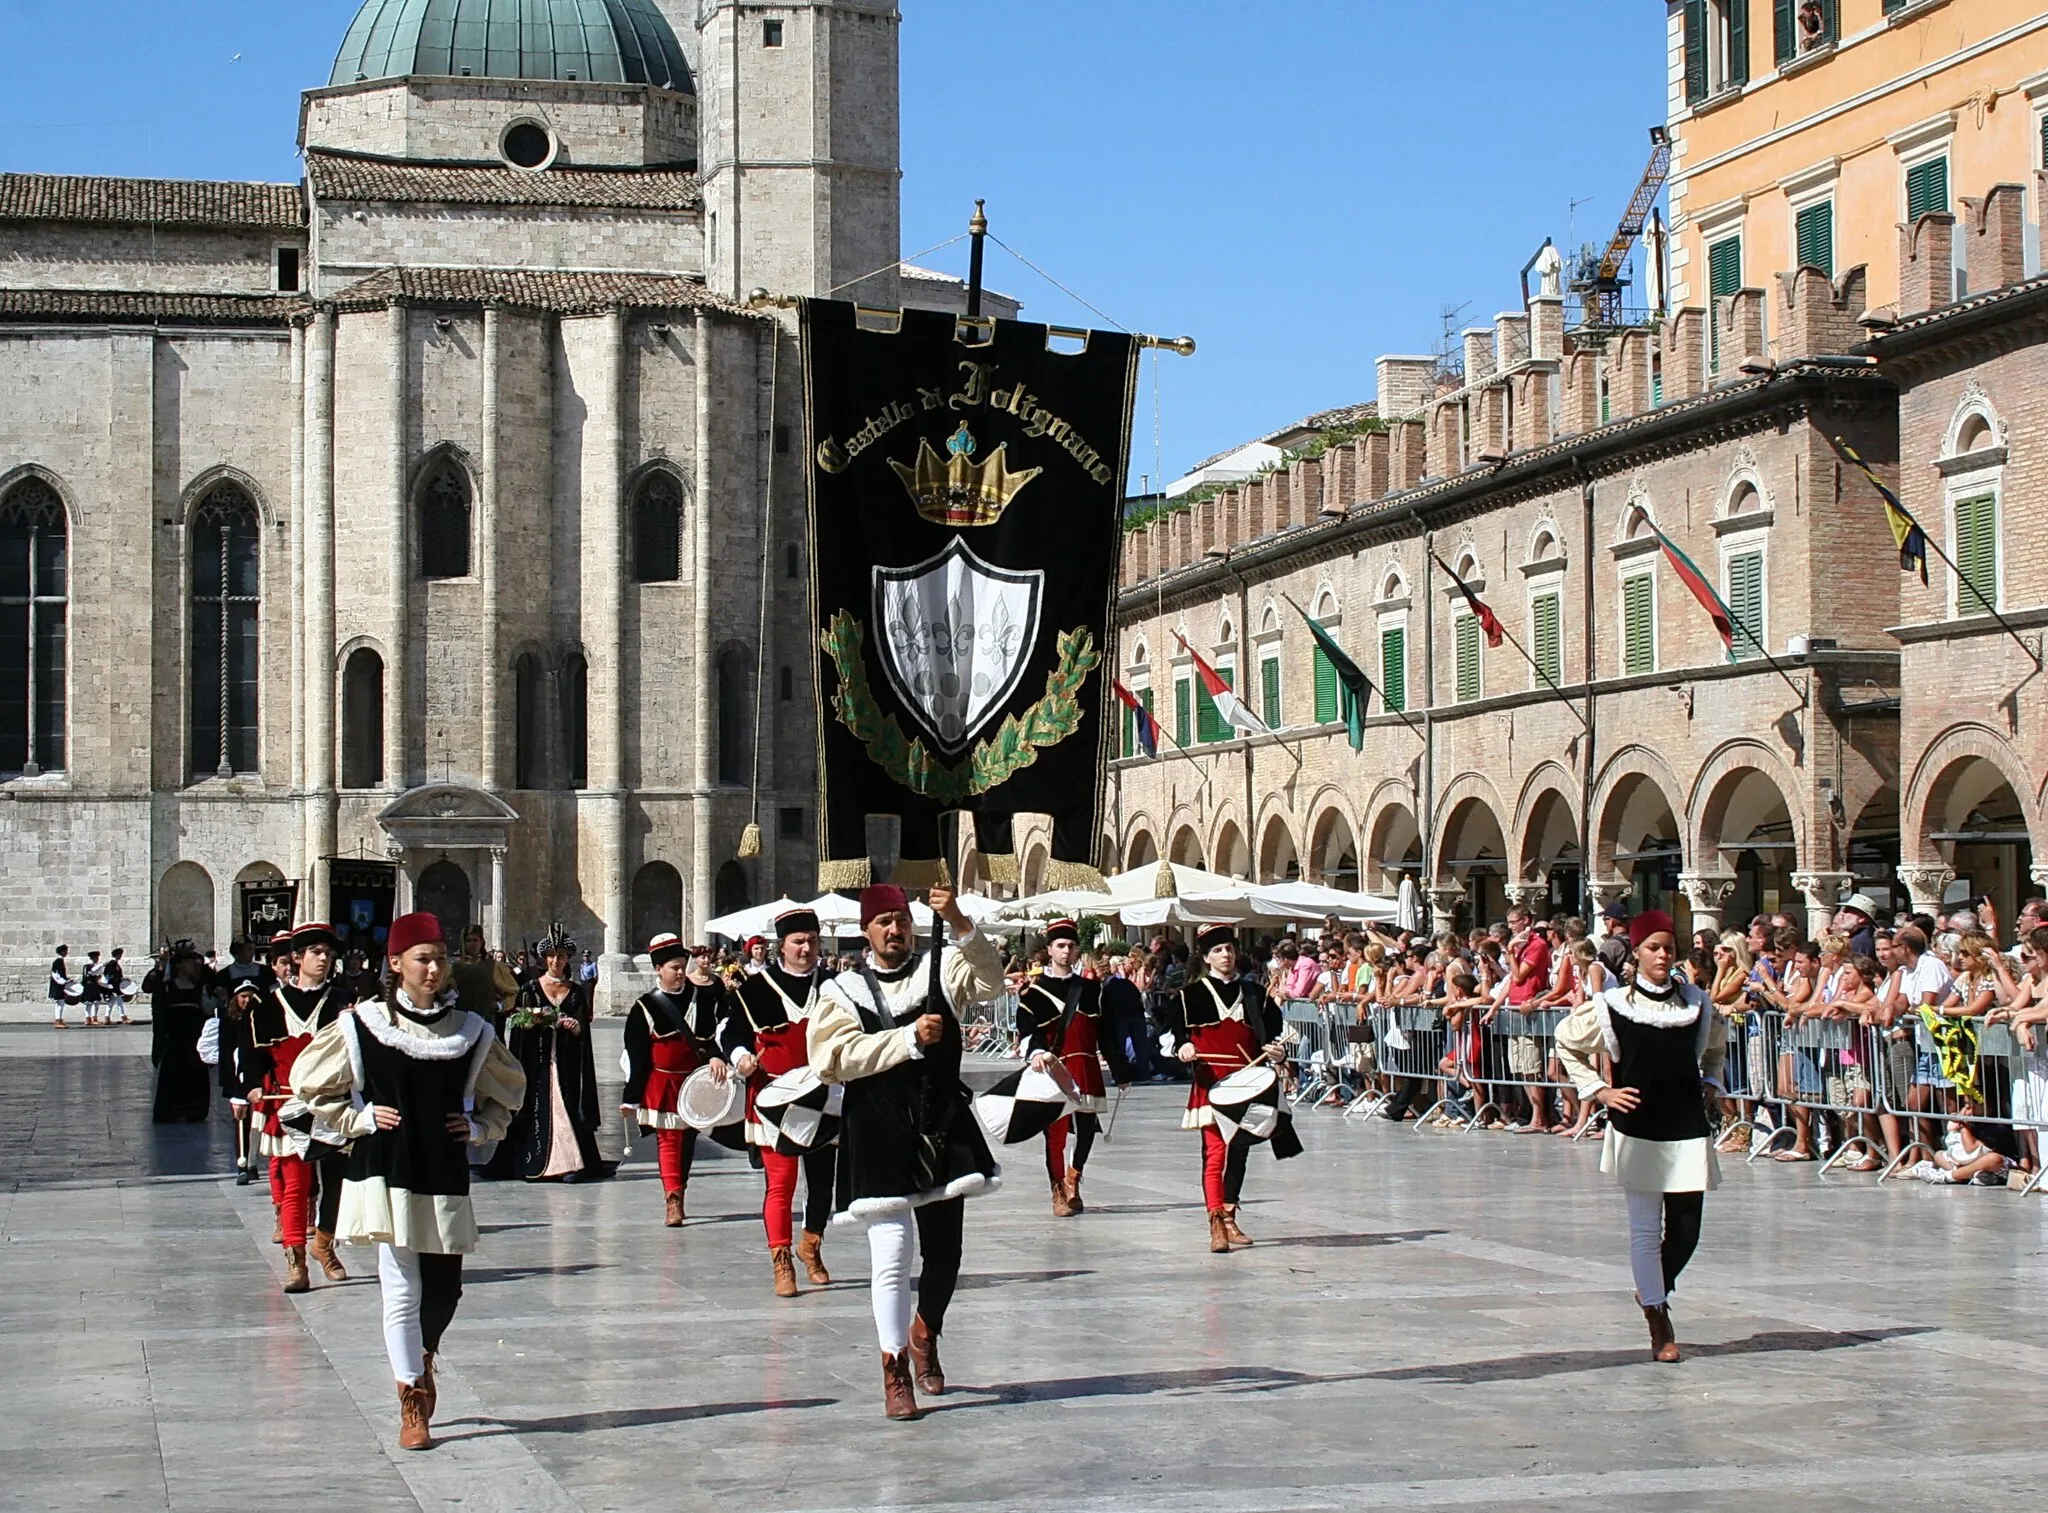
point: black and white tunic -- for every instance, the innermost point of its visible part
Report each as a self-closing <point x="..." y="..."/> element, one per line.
<point x="1665" y="1044"/>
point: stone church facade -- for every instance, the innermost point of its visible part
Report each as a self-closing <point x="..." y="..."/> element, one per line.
<point x="430" y="532"/>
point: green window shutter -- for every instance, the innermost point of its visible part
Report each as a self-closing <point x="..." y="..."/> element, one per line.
<point x="1695" y="51"/>
<point x="1183" y="712"/>
<point x="1746" y="603"/>
<point x="1724" y="277"/>
<point x="1469" y="685"/>
<point x="2044" y="141"/>
<point x="1785" y="30"/>
<point x="1926" y="188"/>
<point x="1328" y="702"/>
<point x="1815" y="229"/>
<point x="1547" y="633"/>
<point x="1209" y="722"/>
<point x="1130" y="732"/>
<point x="1394" y="668"/>
<point x="1639" y="626"/>
<point x="1738" y="41"/>
<point x="1269" y="691"/>
<point x="1977" y="553"/>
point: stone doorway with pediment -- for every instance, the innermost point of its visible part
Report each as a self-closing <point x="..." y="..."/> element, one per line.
<point x="450" y="842"/>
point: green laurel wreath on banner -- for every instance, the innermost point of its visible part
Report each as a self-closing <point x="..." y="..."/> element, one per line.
<point x="993" y="762"/>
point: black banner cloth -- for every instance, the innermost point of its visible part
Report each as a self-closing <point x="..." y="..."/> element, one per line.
<point x="965" y="501"/>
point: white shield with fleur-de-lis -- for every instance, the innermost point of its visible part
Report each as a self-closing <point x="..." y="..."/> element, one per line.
<point x="955" y="635"/>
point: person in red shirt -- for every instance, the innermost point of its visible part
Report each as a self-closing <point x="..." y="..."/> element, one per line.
<point x="1529" y="967"/>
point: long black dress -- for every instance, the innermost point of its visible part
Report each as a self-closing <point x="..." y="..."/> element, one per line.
<point x="561" y="1091"/>
<point x="177" y="1014"/>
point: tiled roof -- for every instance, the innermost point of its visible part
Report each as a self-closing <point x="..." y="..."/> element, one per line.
<point x="349" y="178"/>
<point x="1962" y="307"/>
<point x="106" y="305"/>
<point x="156" y="202"/>
<point x="557" y="293"/>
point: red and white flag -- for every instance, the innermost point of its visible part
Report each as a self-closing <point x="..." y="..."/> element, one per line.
<point x="1236" y="713"/>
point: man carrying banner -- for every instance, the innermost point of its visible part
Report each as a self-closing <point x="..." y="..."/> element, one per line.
<point x="1059" y="1018"/>
<point x="911" y="1153"/>
<point x="764" y="1037"/>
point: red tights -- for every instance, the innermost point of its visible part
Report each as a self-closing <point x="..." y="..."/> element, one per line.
<point x="1222" y="1169"/>
<point x="291" y="1189"/>
<point x="673" y="1150"/>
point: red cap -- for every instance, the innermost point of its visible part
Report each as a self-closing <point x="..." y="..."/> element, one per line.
<point x="879" y="899"/>
<point x="409" y="930"/>
<point x="1650" y="922"/>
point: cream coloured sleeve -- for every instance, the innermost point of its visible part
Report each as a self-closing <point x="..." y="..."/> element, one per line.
<point x="325" y="1080"/>
<point x="500" y="1092"/>
<point x="1579" y="1044"/>
<point x="974" y="971"/>
<point x="841" y="1051"/>
<point x="1714" y="1053"/>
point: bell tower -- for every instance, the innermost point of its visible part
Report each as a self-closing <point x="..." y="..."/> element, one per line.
<point x="799" y="146"/>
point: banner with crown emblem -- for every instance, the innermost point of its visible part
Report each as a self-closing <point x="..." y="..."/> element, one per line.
<point x="966" y="503"/>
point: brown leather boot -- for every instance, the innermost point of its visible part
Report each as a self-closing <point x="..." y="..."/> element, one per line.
<point x="674" y="1218"/>
<point x="1219" y="1237"/>
<point x="785" y="1271"/>
<point x="413" y="1433"/>
<point x="322" y="1250"/>
<point x="295" y="1278"/>
<point x="1062" y="1206"/>
<point x="1235" y="1235"/>
<point x="432" y="1394"/>
<point x="810" y="1251"/>
<point x="924" y="1359"/>
<point x="899" y="1398"/>
<point x="1074" y="1190"/>
<point x="1663" y="1341"/>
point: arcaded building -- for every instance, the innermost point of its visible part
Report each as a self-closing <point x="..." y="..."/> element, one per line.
<point x="429" y="531"/>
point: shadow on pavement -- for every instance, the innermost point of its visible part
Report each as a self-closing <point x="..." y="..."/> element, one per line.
<point x="1522" y="1368"/>
<point x="624" y="1418"/>
<point x="1355" y="1242"/>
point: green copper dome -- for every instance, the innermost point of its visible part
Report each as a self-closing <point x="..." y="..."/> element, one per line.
<point x="610" y="41"/>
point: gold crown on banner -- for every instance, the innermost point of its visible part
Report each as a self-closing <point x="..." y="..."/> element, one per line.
<point x="957" y="490"/>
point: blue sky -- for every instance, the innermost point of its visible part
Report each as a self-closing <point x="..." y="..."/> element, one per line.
<point x="1301" y="187"/>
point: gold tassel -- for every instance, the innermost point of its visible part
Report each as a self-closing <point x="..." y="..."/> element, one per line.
<point x="915" y="876"/>
<point x="1001" y="867"/>
<point x="1060" y="876"/>
<point x="1163" y="885"/>
<point x="845" y="876"/>
<point x="750" y="842"/>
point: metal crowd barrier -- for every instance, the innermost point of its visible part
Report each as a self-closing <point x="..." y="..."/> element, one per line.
<point x="1318" y="1059"/>
<point x="1923" y="1098"/>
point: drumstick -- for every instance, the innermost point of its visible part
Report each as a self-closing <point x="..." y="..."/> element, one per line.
<point x="1109" y="1133"/>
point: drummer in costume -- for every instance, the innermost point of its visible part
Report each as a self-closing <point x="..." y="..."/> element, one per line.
<point x="1221" y="1024"/>
<point x="1059" y="1017"/>
<point x="1667" y="1046"/>
<point x="281" y="1026"/>
<point x="670" y="1032"/>
<point x="554" y="1139"/>
<point x="413" y="1081"/>
<point x="910" y="1151"/>
<point x="763" y="1036"/>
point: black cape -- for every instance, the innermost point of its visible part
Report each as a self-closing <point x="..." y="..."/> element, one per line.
<point x="529" y="1144"/>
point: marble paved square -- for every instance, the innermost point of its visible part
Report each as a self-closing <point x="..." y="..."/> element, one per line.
<point x="1427" y="1321"/>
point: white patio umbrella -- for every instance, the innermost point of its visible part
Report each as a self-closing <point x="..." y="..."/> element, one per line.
<point x="742" y="924"/>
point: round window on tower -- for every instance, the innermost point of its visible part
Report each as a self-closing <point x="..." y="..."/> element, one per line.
<point x="528" y="144"/>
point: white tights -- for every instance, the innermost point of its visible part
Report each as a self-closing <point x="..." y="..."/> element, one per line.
<point x="892" y="1248"/>
<point x="1646" y="1245"/>
<point x="398" y="1273"/>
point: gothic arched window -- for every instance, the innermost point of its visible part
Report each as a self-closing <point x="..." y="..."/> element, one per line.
<point x="362" y="719"/>
<point x="529" y="723"/>
<point x="576" y="719"/>
<point x="658" y="530"/>
<point x="735" y="717"/>
<point x="444" y="522"/>
<point x="226" y="596"/>
<point x="34" y="548"/>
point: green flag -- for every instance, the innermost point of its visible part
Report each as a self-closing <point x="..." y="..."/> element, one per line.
<point x="1355" y="688"/>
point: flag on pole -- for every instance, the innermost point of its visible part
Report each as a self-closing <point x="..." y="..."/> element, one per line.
<point x="1489" y="622"/>
<point x="1696" y="583"/>
<point x="1146" y="727"/>
<point x="1234" y="711"/>
<point x="1354" y="687"/>
<point x="1906" y="531"/>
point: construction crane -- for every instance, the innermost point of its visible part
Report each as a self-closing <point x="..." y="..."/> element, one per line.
<point x="1599" y="286"/>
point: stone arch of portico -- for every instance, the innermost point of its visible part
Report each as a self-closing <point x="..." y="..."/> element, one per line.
<point x="1936" y="777"/>
<point x="1550" y="787"/>
<point x="1230" y="852"/>
<point x="1392" y="829"/>
<point x="1277" y="846"/>
<point x="1186" y="849"/>
<point x="1141" y="847"/>
<point x="1623" y="776"/>
<point x="1725" y="786"/>
<point x="194" y="493"/>
<point x="1453" y="814"/>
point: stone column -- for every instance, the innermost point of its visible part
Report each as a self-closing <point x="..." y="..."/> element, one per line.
<point x="401" y="899"/>
<point x="1926" y="883"/>
<point x="1708" y="894"/>
<point x="1822" y="890"/>
<point x="702" y="676"/>
<point x="494" y="921"/>
<point x="296" y="542"/>
<point x="1443" y="908"/>
<point x="318" y="610"/>
<point x="2039" y="873"/>
<point x="604" y="613"/>
<point x="1530" y="896"/>
<point x="1606" y="890"/>
<point x="488" y="530"/>
<point x="398" y="658"/>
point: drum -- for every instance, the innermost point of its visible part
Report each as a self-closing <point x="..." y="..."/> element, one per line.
<point x="73" y="991"/>
<point x="801" y="1112"/>
<point x="1247" y="1102"/>
<point x="129" y="989"/>
<point x="706" y="1104"/>
<point x="1023" y="1106"/>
